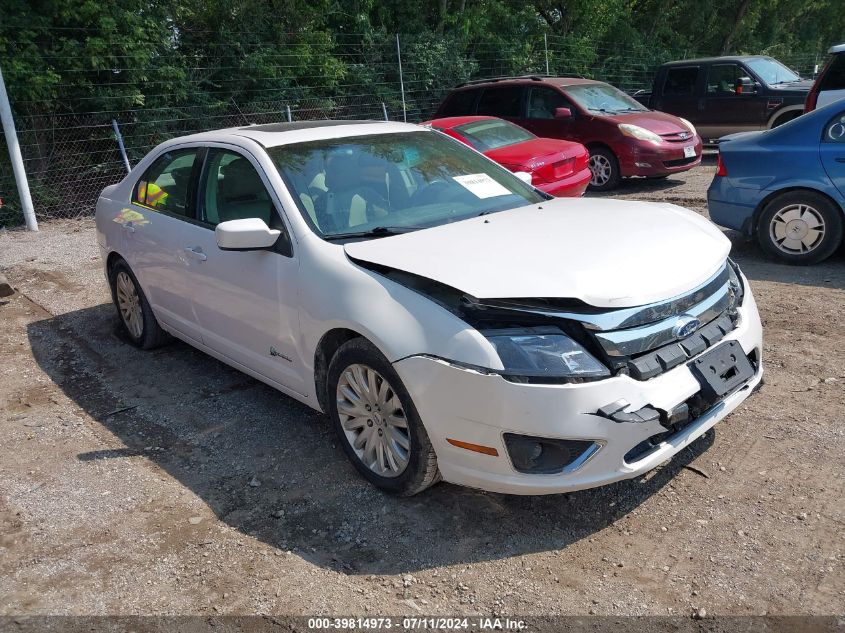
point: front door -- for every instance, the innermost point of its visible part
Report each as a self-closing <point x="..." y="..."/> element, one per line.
<point x="725" y="110"/>
<point x="540" y="115"/>
<point x="832" y="150"/>
<point x="245" y="301"/>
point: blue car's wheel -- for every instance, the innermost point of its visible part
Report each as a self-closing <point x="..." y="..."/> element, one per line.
<point x="800" y="227"/>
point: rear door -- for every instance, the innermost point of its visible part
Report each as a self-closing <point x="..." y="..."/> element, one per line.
<point x="725" y="110"/>
<point x="832" y="150"/>
<point x="162" y="204"/>
<point x="680" y="93"/>
<point x="245" y="301"/>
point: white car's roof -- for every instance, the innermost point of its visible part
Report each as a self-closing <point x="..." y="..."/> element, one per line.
<point x="839" y="48"/>
<point x="273" y="134"/>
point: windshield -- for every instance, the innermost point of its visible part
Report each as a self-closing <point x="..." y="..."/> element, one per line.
<point x="389" y="183"/>
<point x="493" y="133"/>
<point x="771" y="72"/>
<point x="603" y="98"/>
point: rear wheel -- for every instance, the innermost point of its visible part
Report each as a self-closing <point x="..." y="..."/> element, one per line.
<point x="133" y="309"/>
<point x="377" y="423"/>
<point x="800" y="227"/>
<point x="604" y="168"/>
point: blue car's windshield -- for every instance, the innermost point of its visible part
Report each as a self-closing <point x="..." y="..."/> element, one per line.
<point x="772" y="72"/>
<point x="390" y="183"/>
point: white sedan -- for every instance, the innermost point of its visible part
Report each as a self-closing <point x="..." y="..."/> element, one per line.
<point x="454" y="322"/>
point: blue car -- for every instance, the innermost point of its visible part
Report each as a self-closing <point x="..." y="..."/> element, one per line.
<point x="785" y="186"/>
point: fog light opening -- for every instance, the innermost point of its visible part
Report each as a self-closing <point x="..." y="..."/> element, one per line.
<point x="542" y="455"/>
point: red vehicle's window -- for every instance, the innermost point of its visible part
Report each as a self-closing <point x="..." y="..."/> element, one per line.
<point x="492" y="134"/>
<point x="504" y="101"/>
<point x="543" y="102"/>
<point x="460" y="103"/>
<point x="833" y="78"/>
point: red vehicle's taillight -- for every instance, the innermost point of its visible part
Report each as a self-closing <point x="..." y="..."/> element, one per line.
<point x="720" y="167"/>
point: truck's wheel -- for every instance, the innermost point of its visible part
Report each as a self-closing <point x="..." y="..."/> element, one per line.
<point x="800" y="227"/>
<point x="605" y="169"/>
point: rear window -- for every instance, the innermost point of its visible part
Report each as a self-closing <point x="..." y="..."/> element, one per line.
<point x="492" y="134"/>
<point x="834" y="77"/>
<point x="459" y="103"/>
<point x="504" y="101"/>
<point x="681" y="81"/>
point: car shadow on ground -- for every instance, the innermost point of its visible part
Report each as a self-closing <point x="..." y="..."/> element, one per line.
<point x="758" y="266"/>
<point x="271" y="467"/>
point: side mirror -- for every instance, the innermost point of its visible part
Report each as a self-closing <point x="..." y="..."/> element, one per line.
<point x="249" y="234"/>
<point x="524" y="176"/>
<point x="563" y="113"/>
<point x="745" y="86"/>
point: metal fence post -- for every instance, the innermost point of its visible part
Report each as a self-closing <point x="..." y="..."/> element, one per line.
<point x="15" y="157"/>
<point x="546" y="47"/>
<point x="384" y="109"/>
<point x="401" y="80"/>
<point x="120" y="145"/>
<point x="290" y="118"/>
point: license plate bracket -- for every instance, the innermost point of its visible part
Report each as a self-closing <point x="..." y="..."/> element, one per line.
<point x="721" y="370"/>
<point x="689" y="151"/>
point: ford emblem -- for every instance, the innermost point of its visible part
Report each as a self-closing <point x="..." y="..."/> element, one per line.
<point x="685" y="325"/>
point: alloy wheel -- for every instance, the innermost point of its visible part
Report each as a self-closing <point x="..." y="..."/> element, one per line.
<point x="797" y="229"/>
<point x="373" y="420"/>
<point x="601" y="169"/>
<point x="129" y="304"/>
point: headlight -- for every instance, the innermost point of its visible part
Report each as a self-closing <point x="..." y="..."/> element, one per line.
<point x="688" y="124"/>
<point x="735" y="288"/>
<point x="544" y="352"/>
<point x="635" y="131"/>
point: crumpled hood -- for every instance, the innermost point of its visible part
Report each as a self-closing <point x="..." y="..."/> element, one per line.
<point x="607" y="253"/>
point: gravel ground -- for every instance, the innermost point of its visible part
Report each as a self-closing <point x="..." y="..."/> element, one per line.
<point x="168" y="483"/>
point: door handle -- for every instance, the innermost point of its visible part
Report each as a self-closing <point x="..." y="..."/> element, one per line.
<point x="840" y="159"/>
<point x="196" y="253"/>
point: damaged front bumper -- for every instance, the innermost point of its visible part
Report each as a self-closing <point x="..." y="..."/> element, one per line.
<point x="484" y="409"/>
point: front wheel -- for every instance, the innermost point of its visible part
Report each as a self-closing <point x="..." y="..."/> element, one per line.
<point x="800" y="227"/>
<point x="377" y="423"/>
<point x="604" y="168"/>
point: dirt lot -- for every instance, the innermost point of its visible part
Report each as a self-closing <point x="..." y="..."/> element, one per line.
<point x="166" y="482"/>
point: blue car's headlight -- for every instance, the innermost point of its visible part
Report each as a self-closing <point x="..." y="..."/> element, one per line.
<point x="543" y="352"/>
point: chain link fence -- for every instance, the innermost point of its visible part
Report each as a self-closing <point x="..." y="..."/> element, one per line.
<point x="71" y="156"/>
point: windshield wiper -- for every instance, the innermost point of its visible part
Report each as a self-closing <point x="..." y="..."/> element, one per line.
<point x="379" y="231"/>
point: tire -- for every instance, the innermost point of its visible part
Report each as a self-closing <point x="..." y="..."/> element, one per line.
<point x="604" y="168"/>
<point x="381" y="458"/>
<point x="143" y="330"/>
<point x="800" y="227"/>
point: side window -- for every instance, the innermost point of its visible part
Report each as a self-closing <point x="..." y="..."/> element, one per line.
<point x="834" y="131"/>
<point x="542" y="103"/>
<point x="721" y="79"/>
<point x="460" y="103"/>
<point x="165" y="186"/>
<point x="504" y="101"/>
<point x="681" y="82"/>
<point x="834" y="76"/>
<point x="233" y="190"/>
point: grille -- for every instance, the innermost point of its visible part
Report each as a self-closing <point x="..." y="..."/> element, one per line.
<point x="678" y="137"/>
<point x="679" y="162"/>
<point x="644" y="342"/>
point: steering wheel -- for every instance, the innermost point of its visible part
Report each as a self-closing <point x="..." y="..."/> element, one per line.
<point x="430" y="192"/>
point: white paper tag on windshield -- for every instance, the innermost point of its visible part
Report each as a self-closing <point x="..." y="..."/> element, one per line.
<point x="482" y="185"/>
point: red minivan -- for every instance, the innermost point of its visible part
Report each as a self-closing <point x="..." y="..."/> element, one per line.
<point x="623" y="136"/>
